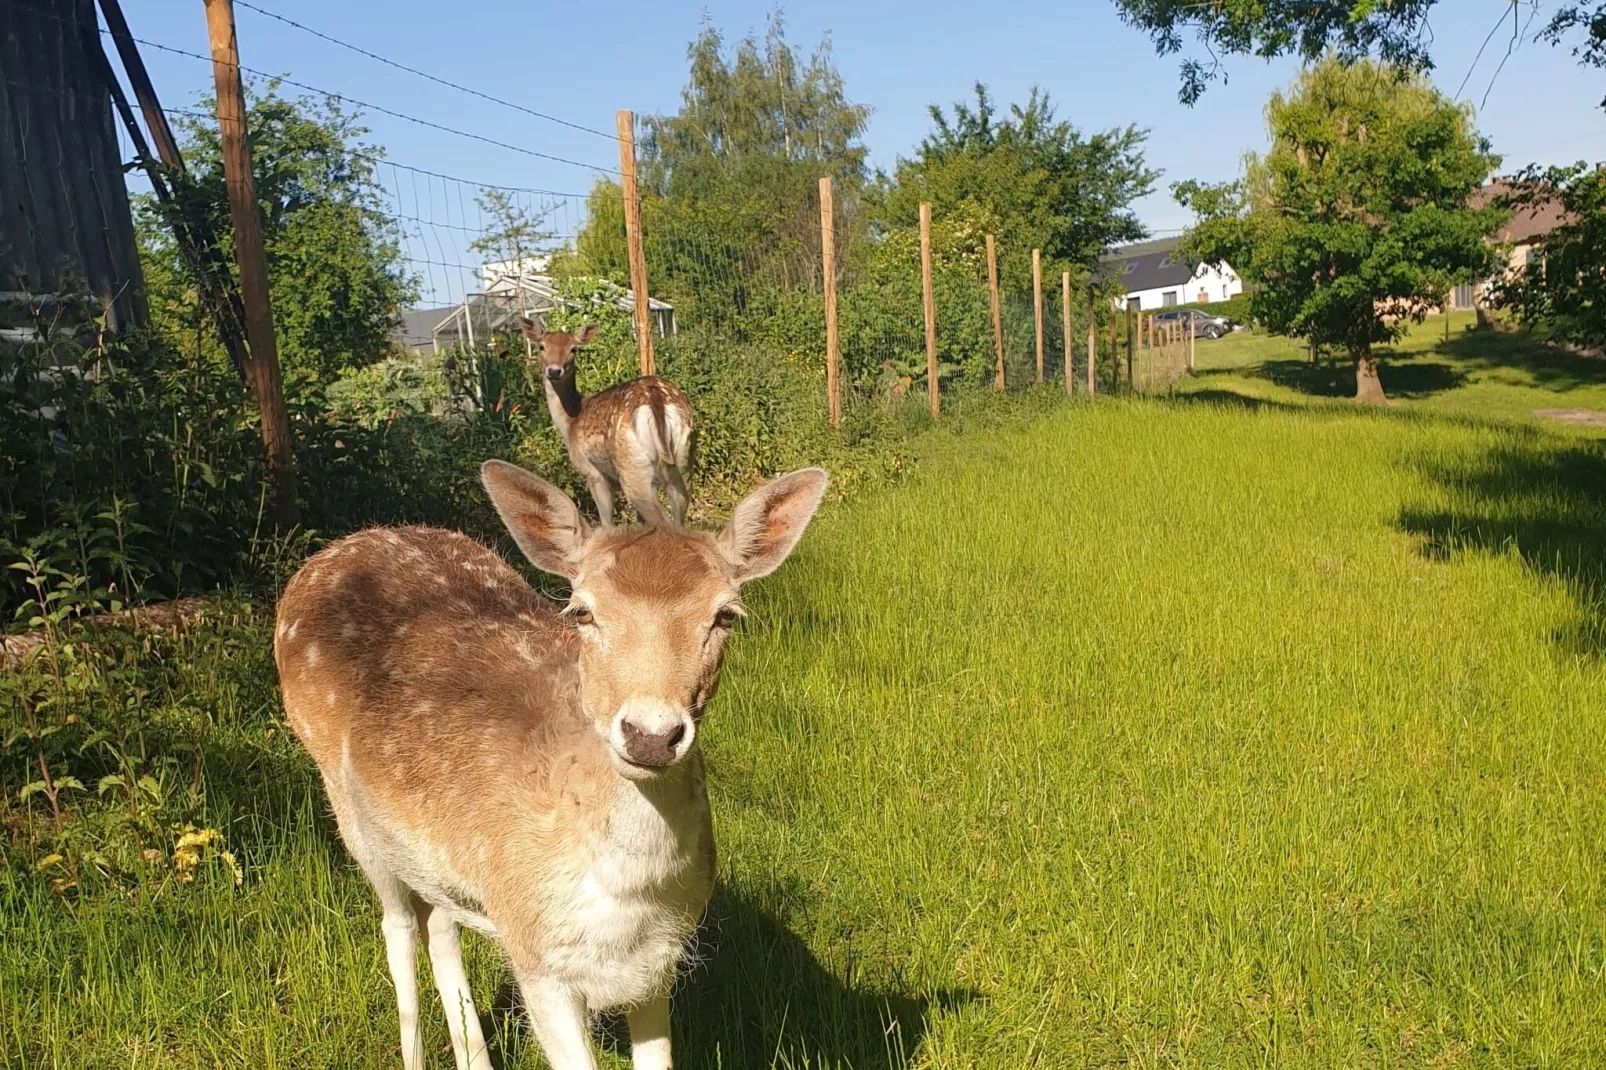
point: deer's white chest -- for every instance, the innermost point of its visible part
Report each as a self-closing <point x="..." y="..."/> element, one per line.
<point x="619" y="931"/>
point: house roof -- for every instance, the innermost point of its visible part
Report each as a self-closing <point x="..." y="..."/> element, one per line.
<point x="1528" y="222"/>
<point x="417" y="328"/>
<point x="1147" y="265"/>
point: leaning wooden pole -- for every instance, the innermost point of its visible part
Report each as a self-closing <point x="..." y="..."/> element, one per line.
<point x="626" y="121"/>
<point x="998" y="319"/>
<point x="1092" y="341"/>
<point x="833" y="352"/>
<point x="1065" y="311"/>
<point x="1037" y="307"/>
<point x="244" y="213"/>
<point x="931" y="309"/>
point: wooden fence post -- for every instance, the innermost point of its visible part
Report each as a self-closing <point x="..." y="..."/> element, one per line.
<point x="1037" y="307"/>
<point x="998" y="321"/>
<point x="833" y="353"/>
<point x="931" y="308"/>
<point x="1065" y="308"/>
<point x="263" y="366"/>
<point x="626" y="125"/>
<point x="1092" y="341"/>
<point x="1131" y="344"/>
<point x="1192" y="338"/>
<point x="1115" y="352"/>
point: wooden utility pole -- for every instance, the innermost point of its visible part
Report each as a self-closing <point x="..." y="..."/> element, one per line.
<point x="262" y="369"/>
<point x="833" y="354"/>
<point x="1065" y="309"/>
<point x="626" y="121"/>
<point x="998" y="320"/>
<point x="1037" y="306"/>
<point x="193" y="233"/>
<point x="931" y="308"/>
<point x="1092" y="341"/>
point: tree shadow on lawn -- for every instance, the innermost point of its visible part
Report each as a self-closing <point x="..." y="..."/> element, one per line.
<point x="1403" y="376"/>
<point x="758" y="997"/>
<point x="1551" y="368"/>
<point x="1546" y="498"/>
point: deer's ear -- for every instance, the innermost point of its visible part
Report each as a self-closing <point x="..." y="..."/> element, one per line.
<point x="532" y="330"/>
<point x="585" y="334"/>
<point x="768" y="522"/>
<point x="541" y="518"/>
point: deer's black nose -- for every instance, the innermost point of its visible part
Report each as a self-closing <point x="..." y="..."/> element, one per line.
<point x="554" y="373"/>
<point x="654" y="749"/>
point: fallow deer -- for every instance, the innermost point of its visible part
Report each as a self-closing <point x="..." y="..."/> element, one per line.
<point x="635" y="437"/>
<point x="531" y="772"/>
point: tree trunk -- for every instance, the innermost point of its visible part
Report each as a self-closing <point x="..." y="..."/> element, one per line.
<point x="1368" y="387"/>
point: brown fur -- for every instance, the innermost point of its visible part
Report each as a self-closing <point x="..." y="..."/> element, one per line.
<point x="608" y="445"/>
<point x="468" y="734"/>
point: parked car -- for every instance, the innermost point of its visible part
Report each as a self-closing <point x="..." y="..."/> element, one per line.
<point x="1204" y="324"/>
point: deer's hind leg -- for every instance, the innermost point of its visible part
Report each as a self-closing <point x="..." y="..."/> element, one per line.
<point x="399" y="925"/>
<point x="675" y="488"/>
<point x="637" y="483"/>
<point x="462" y="1019"/>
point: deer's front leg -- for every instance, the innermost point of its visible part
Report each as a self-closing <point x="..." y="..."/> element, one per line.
<point x="649" y="1035"/>
<point x="558" y="1018"/>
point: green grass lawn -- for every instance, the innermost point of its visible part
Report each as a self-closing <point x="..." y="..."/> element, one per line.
<point x="1237" y="728"/>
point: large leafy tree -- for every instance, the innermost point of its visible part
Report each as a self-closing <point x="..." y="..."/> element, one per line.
<point x="729" y="181"/>
<point x="1562" y="292"/>
<point x="1397" y="31"/>
<point x="1029" y="176"/>
<point x="335" y="272"/>
<point x="1356" y="220"/>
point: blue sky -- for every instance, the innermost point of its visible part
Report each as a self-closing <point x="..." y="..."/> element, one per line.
<point x="582" y="63"/>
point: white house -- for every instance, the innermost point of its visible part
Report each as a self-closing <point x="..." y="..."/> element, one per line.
<point x="1154" y="277"/>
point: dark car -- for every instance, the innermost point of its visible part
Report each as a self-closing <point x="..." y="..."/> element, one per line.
<point x="1204" y="324"/>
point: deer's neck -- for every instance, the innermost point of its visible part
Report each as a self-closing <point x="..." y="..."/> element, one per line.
<point x="563" y="402"/>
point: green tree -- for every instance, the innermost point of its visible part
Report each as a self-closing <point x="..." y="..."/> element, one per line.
<point x="1031" y="178"/>
<point x="335" y="272"/>
<point x="728" y="182"/>
<point x="1356" y="220"/>
<point x="1396" y="32"/>
<point x="1562" y="292"/>
<point x="1591" y="51"/>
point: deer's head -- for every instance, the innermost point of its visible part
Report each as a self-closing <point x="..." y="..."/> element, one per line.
<point x="652" y="607"/>
<point x="555" y="349"/>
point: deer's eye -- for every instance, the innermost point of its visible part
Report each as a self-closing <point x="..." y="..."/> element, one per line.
<point x="581" y="615"/>
<point x="726" y="617"/>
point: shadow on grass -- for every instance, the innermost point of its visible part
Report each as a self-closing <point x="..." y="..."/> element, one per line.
<point x="1402" y="376"/>
<point x="1232" y="397"/>
<point x="1544" y="499"/>
<point x="1551" y="368"/>
<point x="759" y="998"/>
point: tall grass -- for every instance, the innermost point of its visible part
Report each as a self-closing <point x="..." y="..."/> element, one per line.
<point x="1151" y="734"/>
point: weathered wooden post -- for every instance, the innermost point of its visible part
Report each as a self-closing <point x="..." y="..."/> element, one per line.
<point x="998" y="321"/>
<point x="1037" y="307"/>
<point x="1065" y="309"/>
<point x="263" y="367"/>
<point x="1092" y="341"/>
<point x="833" y="354"/>
<point x="930" y="308"/>
<point x="626" y="125"/>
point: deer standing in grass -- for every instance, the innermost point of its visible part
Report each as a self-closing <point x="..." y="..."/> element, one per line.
<point x="531" y="773"/>
<point x="635" y="437"/>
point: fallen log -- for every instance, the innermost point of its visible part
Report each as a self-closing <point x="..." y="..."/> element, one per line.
<point x="15" y="649"/>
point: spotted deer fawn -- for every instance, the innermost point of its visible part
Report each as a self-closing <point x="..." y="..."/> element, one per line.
<point x="531" y="772"/>
<point x="635" y="437"/>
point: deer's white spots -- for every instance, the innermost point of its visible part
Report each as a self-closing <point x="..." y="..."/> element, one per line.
<point x="348" y="630"/>
<point x="311" y="654"/>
